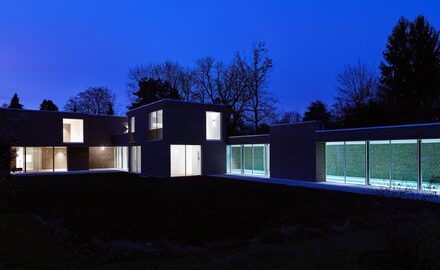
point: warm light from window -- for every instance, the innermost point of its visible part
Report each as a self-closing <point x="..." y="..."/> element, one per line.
<point x="73" y="130"/>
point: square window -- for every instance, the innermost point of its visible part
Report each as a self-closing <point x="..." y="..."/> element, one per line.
<point x="73" y="130"/>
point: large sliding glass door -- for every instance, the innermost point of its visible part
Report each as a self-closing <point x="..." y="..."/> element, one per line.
<point x="252" y="159"/>
<point x="391" y="163"/>
<point x="135" y="163"/>
<point x="185" y="160"/>
<point x="38" y="159"/>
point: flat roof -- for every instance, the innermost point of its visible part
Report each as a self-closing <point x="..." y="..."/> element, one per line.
<point x="381" y="127"/>
<point x="177" y="101"/>
<point x="61" y="112"/>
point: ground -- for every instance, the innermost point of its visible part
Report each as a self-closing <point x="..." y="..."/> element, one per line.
<point x="122" y="221"/>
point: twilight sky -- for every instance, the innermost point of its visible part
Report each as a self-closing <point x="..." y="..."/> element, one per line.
<point x="54" y="49"/>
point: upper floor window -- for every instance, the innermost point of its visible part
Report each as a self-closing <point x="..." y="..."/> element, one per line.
<point x="132" y="124"/>
<point x="73" y="130"/>
<point x="213" y="126"/>
<point x="156" y="125"/>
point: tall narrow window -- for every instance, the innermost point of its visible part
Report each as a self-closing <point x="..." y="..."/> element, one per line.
<point x="60" y="159"/>
<point x="430" y="160"/>
<point x="155" y="126"/>
<point x="135" y="160"/>
<point x="335" y="161"/>
<point x="17" y="160"/>
<point x="73" y="130"/>
<point x="132" y="124"/>
<point x="213" y="126"/>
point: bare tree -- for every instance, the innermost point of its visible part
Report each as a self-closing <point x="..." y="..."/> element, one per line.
<point x="176" y="75"/>
<point x="290" y="117"/>
<point x="241" y="84"/>
<point x="262" y="103"/>
<point x="208" y="80"/>
<point x="93" y="100"/>
<point x="356" y="87"/>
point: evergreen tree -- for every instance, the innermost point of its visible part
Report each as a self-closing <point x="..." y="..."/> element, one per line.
<point x="410" y="74"/>
<point x="48" y="105"/>
<point x="151" y="90"/>
<point x="317" y="111"/>
<point x="15" y="102"/>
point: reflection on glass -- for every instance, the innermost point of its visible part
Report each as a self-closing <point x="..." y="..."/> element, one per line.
<point x="235" y="159"/>
<point x="252" y="159"/>
<point x="430" y="155"/>
<point x="404" y="168"/>
<point x="380" y="163"/>
<point x="259" y="159"/>
<point x="334" y="161"/>
<point x="248" y="158"/>
<point x="355" y="163"/>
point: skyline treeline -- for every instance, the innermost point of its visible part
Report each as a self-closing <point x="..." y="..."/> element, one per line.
<point x="405" y="88"/>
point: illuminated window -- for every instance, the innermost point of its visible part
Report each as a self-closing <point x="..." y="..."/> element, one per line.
<point x="135" y="160"/>
<point x="73" y="130"/>
<point x="248" y="159"/>
<point x="132" y="124"/>
<point x="213" y="126"/>
<point x="156" y="125"/>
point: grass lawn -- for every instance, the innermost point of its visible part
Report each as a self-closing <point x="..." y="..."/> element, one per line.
<point x="122" y="221"/>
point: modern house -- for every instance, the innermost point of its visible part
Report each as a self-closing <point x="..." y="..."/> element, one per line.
<point x="172" y="138"/>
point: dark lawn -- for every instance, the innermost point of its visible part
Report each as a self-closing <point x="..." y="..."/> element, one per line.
<point x="122" y="221"/>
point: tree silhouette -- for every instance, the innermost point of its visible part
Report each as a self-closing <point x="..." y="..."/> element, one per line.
<point x="318" y="111"/>
<point x="151" y="90"/>
<point x="356" y="88"/>
<point x="410" y="73"/>
<point x="15" y="102"/>
<point x="93" y="100"/>
<point x="48" y="105"/>
<point x="110" y="110"/>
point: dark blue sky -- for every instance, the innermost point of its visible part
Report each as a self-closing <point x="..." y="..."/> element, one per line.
<point x="52" y="49"/>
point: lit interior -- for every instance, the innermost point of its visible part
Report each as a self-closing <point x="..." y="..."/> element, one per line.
<point x="213" y="126"/>
<point x="185" y="160"/>
<point x="73" y="130"/>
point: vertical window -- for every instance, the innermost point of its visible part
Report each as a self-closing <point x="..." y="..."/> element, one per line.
<point x="60" y="159"/>
<point x="135" y="159"/>
<point x="17" y="161"/>
<point x="355" y="161"/>
<point x="132" y="124"/>
<point x="380" y="163"/>
<point x="121" y="158"/>
<point x="235" y="158"/>
<point x="335" y="161"/>
<point x="156" y="125"/>
<point x="177" y="160"/>
<point x="404" y="163"/>
<point x="259" y="159"/>
<point x="73" y="130"/>
<point x="430" y="155"/>
<point x="228" y="159"/>
<point x="248" y="159"/>
<point x="213" y="126"/>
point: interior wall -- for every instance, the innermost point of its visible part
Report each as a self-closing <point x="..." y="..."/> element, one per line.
<point x="101" y="157"/>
